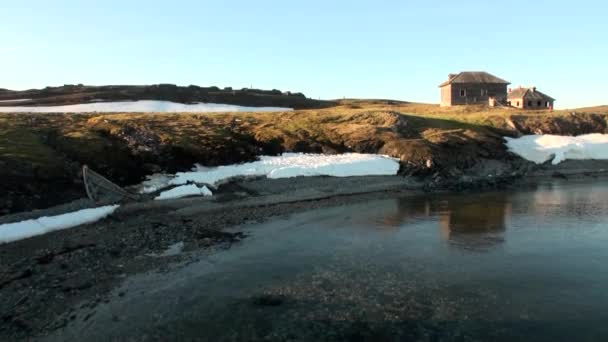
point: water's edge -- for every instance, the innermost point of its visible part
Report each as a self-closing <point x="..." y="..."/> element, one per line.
<point x="476" y="265"/>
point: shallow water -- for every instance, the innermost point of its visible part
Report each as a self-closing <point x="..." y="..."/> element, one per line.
<point x="505" y="266"/>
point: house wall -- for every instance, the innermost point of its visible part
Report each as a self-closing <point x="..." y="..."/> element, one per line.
<point x="533" y="104"/>
<point x="516" y="102"/>
<point x="446" y="96"/>
<point x="473" y="93"/>
<point x="523" y="103"/>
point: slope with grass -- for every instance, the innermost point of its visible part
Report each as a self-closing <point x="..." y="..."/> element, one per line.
<point x="81" y="94"/>
<point x="41" y="154"/>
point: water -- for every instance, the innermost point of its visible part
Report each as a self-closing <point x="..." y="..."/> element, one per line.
<point x="500" y="266"/>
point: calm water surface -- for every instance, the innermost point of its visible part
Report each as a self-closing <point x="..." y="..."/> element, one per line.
<point x="525" y="265"/>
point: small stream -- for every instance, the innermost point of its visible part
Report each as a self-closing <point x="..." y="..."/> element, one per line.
<point x="523" y="265"/>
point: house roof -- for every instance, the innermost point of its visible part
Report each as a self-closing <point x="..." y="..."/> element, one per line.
<point x="474" y="77"/>
<point x="531" y="94"/>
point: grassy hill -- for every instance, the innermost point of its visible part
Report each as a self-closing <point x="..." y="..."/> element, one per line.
<point x="41" y="154"/>
<point x="595" y="109"/>
<point x="75" y="94"/>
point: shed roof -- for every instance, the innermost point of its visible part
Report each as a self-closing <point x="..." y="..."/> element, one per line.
<point x="531" y="94"/>
<point x="481" y="77"/>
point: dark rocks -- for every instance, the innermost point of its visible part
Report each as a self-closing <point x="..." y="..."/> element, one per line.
<point x="140" y="140"/>
<point x="21" y="325"/>
<point x="269" y="300"/>
<point x="560" y="175"/>
<point x="474" y="179"/>
<point x="48" y="257"/>
<point x="76" y="284"/>
<point x="578" y="124"/>
<point x="20" y="276"/>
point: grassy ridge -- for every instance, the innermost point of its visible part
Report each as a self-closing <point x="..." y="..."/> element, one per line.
<point x="41" y="154"/>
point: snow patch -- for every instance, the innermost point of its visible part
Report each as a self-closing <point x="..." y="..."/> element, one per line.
<point x="540" y="148"/>
<point x="154" y="182"/>
<point x="285" y="166"/>
<point x="21" y="230"/>
<point x="147" y="106"/>
<point x="184" y="191"/>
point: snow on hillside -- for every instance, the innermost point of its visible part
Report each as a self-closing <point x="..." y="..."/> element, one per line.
<point x="140" y="106"/>
<point x="540" y="148"/>
<point x="285" y="166"/>
<point x="21" y="230"/>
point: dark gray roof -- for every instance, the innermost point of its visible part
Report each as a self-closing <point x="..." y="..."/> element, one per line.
<point x="474" y="77"/>
<point x="531" y="94"/>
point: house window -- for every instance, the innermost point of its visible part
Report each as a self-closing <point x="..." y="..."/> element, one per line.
<point x="517" y="103"/>
<point x="484" y="92"/>
<point x="529" y="103"/>
<point x="539" y="103"/>
<point x="463" y="92"/>
<point x="547" y="104"/>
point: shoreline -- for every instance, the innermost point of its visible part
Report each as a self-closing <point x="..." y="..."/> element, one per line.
<point x="45" y="278"/>
<point x="258" y="190"/>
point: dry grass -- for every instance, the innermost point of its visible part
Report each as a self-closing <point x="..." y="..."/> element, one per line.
<point x="41" y="154"/>
<point x="596" y="109"/>
<point x="21" y="135"/>
<point x="475" y="114"/>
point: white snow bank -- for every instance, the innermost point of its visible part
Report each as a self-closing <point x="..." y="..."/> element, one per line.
<point x="140" y="106"/>
<point x="21" y="230"/>
<point x="155" y="182"/>
<point x="17" y="100"/>
<point x="184" y="191"/>
<point x="540" y="148"/>
<point x="285" y="166"/>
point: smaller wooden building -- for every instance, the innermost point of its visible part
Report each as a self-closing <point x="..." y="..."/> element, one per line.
<point x="529" y="98"/>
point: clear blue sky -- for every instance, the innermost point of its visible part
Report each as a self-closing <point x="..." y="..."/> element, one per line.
<point x="329" y="49"/>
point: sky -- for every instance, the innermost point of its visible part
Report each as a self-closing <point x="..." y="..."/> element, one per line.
<point x="326" y="49"/>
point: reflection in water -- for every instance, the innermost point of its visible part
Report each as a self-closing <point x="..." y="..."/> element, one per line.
<point x="393" y="270"/>
<point x="476" y="221"/>
<point x="407" y="210"/>
<point x="550" y="200"/>
<point x="472" y="222"/>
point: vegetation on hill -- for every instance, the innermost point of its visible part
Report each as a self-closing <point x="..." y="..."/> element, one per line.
<point x="74" y="94"/>
<point x="41" y="154"/>
<point x="596" y="109"/>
